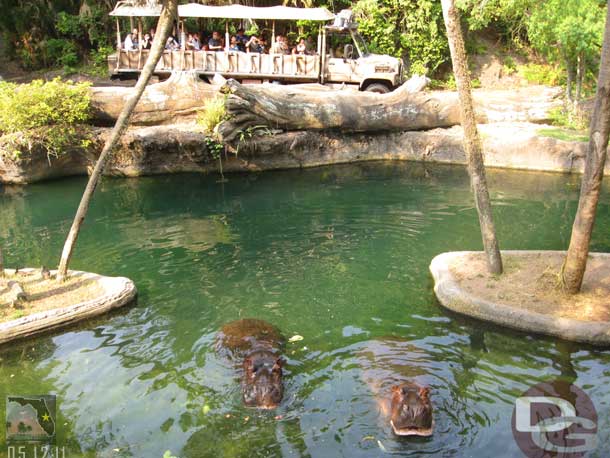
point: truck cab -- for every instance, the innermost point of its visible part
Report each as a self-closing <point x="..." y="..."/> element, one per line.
<point x="347" y="60"/>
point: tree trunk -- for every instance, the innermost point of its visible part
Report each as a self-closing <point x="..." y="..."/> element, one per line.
<point x="177" y="99"/>
<point x="580" y="76"/>
<point x="570" y="74"/>
<point x="166" y="20"/>
<point x="472" y="141"/>
<point x="576" y="259"/>
<point x="316" y="107"/>
<point x="319" y="107"/>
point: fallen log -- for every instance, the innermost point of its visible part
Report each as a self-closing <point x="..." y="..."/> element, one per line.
<point x="297" y="108"/>
<point x="178" y="98"/>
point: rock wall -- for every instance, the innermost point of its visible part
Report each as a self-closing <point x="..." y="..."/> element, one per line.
<point x="180" y="148"/>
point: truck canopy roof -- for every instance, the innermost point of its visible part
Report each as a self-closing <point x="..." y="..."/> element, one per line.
<point x="229" y="12"/>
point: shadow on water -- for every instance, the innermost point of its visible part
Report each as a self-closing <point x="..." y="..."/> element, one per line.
<point x="338" y="255"/>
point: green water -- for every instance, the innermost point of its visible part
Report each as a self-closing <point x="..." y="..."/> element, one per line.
<point x="338" y="255"/>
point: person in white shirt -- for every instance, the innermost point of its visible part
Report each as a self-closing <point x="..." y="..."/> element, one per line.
<point x="129" y="44"/>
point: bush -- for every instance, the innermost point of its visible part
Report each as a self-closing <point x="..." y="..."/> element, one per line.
<point x="410" y="29"/>
<point x="212" y="114"/>
<point x="49" y="112"/>
<point x="61" y="52"/>
<point x="541" y="74"/>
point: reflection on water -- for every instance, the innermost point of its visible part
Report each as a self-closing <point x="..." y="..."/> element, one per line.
<point x="338" y="255"/>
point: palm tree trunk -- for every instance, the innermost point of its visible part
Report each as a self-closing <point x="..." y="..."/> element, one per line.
<point x="570" y="80"/>
<point x="575" y="263"/>
<point x="166" y="21"/>
<point x="580" y="76"/>
<point x="472" y="141"/>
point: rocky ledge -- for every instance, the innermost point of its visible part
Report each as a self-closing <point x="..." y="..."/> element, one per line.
<point x="182" y="148"/>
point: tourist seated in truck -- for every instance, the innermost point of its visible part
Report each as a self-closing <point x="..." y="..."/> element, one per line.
<point x="215" y="43"/>
<point x="171" y="44"/>
<point x="192" y="42"/>
<point x="241" y="37"/>
<point x="234" y="45"/>
<point x="278" y="47"/>
<point x="285" y="46"/>
<point x="300" y="48"/>
<point x="146" y="41"/>
<point x="264" y="43"/>
<point x="254" y="45"/>
<point x="135" y="37"/>
<point x="130" y="44"/>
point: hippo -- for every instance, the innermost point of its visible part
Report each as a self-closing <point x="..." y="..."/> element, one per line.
<point x="389" y="367"/>
<point x="259" y="344"/>
<point x="409" y="410"/>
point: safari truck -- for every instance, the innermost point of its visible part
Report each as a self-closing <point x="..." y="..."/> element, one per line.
<point x="348" y="64"/>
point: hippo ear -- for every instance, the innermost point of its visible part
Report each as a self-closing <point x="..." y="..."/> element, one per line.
<point x="424" y="392"/>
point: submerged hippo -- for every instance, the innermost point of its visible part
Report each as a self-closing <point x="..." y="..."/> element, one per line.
<point x="388" y="369"/>
<point x="409" y="410"/>
<point x="259" y="344"/>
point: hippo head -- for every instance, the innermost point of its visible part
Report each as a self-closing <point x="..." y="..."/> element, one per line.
<point x="411" y="410"/>
<point x="262" y="384"/>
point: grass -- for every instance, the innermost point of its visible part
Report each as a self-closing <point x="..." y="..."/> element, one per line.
<point x="566" y="135"/>
<point x="212" y="114"/>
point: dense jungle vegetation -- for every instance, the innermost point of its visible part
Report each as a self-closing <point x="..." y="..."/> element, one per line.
<point x="566" y="34"/>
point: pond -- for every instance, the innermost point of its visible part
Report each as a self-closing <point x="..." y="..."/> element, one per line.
<point x="337" y="255"/>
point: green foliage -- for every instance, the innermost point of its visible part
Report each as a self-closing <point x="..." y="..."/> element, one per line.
<point x="568" y="118"/>
<point x="69" y="25"/>
<point x="215" y="148"/>
<point x="412" y="29"/>
<point x="213" y="113"/>
<point x="508" y="16"/>
<point x="50" y="112"/>
<point x="27" y="27"/>
<point x="541" y="74"/>
<point x="563" y="29"/>
<point x="566" y="135"/>
<point x="474" y="46"/>
<point x="99" y="57"/>
<point x="61" y="52"/>
<point x="509" y="66"/>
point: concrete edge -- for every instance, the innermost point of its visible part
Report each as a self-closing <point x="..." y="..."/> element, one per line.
<point x="453" y="297"/>
<point x="118" y="291"/>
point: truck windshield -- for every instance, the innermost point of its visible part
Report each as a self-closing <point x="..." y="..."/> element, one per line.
<point x="363" y="49"/>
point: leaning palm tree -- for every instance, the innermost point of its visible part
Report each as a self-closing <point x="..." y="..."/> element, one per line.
<point x="472" y="141"/>
<point x="166" y="20"/>
<point x="575" y="264"/>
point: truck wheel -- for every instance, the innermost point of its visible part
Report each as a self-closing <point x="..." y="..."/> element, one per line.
<point x="378" y="88"/>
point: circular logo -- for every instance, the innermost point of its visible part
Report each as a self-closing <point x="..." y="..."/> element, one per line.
<point x="555" y="420"/>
